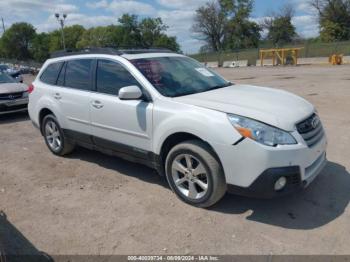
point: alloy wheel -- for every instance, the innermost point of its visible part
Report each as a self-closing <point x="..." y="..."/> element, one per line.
<point x="190" y="176"/>
<point x="53" y="136"/>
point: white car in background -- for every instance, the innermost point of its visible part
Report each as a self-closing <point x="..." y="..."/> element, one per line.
<point x="13" y="95"/>
<point x="205" y="134"/>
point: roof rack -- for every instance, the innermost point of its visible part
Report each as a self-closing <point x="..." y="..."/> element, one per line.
<point x="107" y="51"/>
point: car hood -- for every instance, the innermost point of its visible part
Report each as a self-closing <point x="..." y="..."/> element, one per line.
<point x="12" y="88"/>
<point x="271" y="106"/>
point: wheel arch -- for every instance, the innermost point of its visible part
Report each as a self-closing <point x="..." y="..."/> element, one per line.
<point x="177" y="138"/>
<point x="44" y="112"/>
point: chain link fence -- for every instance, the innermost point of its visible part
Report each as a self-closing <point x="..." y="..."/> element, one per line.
<point x="310" y="50"/>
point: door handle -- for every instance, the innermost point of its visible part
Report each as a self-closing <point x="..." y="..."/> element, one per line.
<point x="57" y="96"/>
<point x="97" y="104"/>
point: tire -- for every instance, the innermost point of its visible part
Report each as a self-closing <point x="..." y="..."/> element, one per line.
<point x="201" y="185"/>
<point x="53" y="133"/>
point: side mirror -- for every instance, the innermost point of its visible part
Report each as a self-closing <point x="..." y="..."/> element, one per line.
<point x="130" y="93"/>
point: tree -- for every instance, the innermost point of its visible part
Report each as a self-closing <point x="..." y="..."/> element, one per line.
<point x="102" y="36"/>
<point x="225" y="25"/>
<point x="21" y="41"/>
<point x="280" y="28"/>
<point x="40" y="48"/>
<point x="209" y="25"/>
<point x="131" y="36"/>
<point x="167" y="42"/>
<point x="130" y="33"/>
<point x="334" y="19"/>
<point x="240" y="31"/>
<point x="72" y="35"/>
<point x="151" y="30"/>
<point x="15" y="42"/>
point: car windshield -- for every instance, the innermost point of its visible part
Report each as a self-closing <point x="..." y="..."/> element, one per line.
<point x="5" y="78"/>
<point x="179" y="76"/>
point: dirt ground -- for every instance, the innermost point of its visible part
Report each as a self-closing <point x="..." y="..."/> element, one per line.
<point x="89" y="203"/>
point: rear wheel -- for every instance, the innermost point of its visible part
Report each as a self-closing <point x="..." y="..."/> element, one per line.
<point x="54" y="136"/>
<point x="194" y="174"/>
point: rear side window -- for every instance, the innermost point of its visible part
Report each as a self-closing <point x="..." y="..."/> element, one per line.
<point x="49" y="76"/>
<point x="78" y="74"/>
<point x="112" y="76"/>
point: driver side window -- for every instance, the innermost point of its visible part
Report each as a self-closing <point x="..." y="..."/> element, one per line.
<point x="111" y="76"/>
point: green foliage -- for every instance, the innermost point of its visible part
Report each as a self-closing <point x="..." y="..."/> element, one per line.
<point x="72" y="35"/>
<point x="331" y="31"/>
<point x="40" y="48"/>
<point x="242" y="34"/>
<point x="209" y="25"/>
<point x="131" y="36"/>
<point x="102" y="36"/>
<point x="15" y="42"/>
<point x="21" y="41"/>
<point x="238" y="9"/>
<point x="167" y="42"/>
<point x="334" y="19"/>
<point x="225" y="25"/>
<point x="281" y="30"/>
<point x="240" y="31"/>
<point x="130" y="33"/>
<point x="151" y="31"/>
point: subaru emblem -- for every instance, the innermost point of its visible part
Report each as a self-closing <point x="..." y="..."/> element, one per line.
<point x="315" y="121"/>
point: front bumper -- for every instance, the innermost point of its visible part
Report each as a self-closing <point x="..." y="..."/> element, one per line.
<point x="252" y="169"/>
<point x="13" y="106"/>
<point x="263" y="186"/>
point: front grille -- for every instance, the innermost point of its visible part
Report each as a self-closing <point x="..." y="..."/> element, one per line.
<point x="311" y="130"/>
<point x="4" y="108"/>
<point x="294" y="179"/>
<point x="11" y="96"/>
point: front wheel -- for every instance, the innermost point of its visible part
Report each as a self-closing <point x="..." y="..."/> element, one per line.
<point x="195" y="174"/>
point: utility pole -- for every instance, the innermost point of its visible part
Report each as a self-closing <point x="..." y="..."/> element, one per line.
<point x="3" y="25"/>
<point x="61" y="22"/>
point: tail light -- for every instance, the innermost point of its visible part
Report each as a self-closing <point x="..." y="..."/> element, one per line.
<point x="30" y="88"/>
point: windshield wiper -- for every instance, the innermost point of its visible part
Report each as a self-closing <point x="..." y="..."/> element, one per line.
<point x="219" y="86"/>
<point x="202" y="91"/>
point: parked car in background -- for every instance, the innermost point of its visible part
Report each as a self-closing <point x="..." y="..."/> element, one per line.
<point x="13" y="95"/>
<point x="16" y="74"/>
<point x="168" y="111"/>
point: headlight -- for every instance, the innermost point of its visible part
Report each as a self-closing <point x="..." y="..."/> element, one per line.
<point x="261" y="132"/>
<point x="25" y="94"/>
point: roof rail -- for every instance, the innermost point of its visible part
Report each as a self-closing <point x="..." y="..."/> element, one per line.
<point x="108" y="51"/>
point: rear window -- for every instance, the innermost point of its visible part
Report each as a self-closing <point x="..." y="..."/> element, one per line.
<point x="49" y="76"/>
<point x="78" y="74"/>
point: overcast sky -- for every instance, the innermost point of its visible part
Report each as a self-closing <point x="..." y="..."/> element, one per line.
<point x="177" y="14"/>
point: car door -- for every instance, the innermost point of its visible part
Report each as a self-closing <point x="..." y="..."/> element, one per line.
<point x="74" y="95"/>
<point x="121" y="125"/>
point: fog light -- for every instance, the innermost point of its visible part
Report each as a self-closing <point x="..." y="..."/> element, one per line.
<point x="280" y="183"/>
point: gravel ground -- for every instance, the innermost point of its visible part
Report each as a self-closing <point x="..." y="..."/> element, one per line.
<point x="89" y="203"/>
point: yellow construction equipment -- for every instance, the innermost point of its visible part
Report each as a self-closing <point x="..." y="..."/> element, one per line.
<point x="336" y="59"/>
<point x="280" y="55"/>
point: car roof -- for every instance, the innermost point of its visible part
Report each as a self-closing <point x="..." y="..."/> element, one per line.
<point x="129" y="54"/>
<point x="107" y="51"/>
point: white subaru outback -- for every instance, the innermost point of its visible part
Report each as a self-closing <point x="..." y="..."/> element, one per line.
<point x="167" y="111"/>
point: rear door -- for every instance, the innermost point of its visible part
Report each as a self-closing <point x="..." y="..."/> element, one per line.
<point x="122" y="125"/>
<point x="74" y="95"/>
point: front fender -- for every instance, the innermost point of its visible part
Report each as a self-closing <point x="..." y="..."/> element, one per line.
<point x="209" y="125"/>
